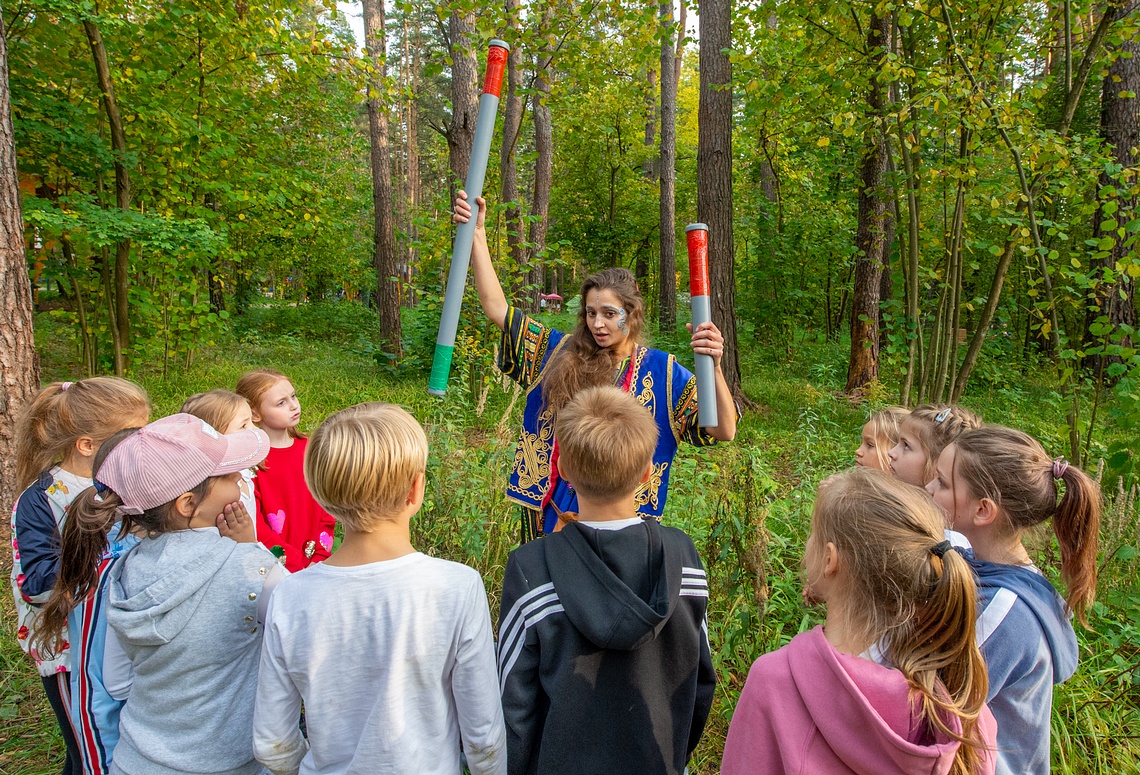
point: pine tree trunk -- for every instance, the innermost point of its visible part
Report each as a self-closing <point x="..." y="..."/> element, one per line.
<point x="464" y="97"/>
<point x="544" y="156"/>
<point x="122" y="191"/>
<point x="1114" y="296"/>
<point x="508" y="167"/>
<point x="19" y="366"/>
<point x="385" y="258"/>
<point x="870" y="237"/>
<point x="667" y="257"/>
<point x="714" y="175"/>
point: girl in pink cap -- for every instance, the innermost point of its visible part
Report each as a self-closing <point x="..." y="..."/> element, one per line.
<point x="185" y="605"/>
<point x="57" y="437"/>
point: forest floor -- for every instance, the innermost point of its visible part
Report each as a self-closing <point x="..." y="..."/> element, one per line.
<point x="746" y="504"/>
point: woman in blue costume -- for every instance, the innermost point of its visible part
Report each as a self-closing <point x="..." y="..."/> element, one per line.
<point x="605" y="348"/>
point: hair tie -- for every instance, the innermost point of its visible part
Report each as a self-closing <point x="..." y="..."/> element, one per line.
<point x="65" y="386"/>
<point x="99" y="486"/>
<point x="940" y="548"/>
<point x="1060" y="466"/>
<point x="941" y="417"/>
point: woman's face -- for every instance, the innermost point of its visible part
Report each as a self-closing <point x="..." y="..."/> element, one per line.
<point x="607" y="318"/>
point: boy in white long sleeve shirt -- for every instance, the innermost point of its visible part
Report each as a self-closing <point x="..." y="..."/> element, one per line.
<point x="390" y="650"/>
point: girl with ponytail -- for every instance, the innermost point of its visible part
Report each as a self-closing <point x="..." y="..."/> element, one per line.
<point x="996" y="483"/>
<point x="893" y="682"/>
<point x="57" y="438"/>
<point x="93" y="540"/>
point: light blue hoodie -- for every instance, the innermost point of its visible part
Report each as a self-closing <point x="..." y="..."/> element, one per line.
<point x="184" y="607"/>
<point x="1029" y="645"/>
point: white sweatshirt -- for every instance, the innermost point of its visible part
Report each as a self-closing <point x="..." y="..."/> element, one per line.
<point x="394" y="662"/>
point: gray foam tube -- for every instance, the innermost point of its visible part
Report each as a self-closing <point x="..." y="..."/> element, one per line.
<point x="464" y="239"/>
<point x="705" y="370"/>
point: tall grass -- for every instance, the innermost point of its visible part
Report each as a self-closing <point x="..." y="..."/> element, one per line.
<point x="747" y="506"/>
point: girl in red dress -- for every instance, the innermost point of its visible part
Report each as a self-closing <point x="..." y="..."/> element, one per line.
<point x="288" y="516"/>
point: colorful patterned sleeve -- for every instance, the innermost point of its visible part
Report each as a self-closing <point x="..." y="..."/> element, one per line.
<point x="685" y="408"/>
<point x="524" y="347"/>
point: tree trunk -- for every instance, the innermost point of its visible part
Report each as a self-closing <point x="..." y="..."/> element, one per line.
<point x="714" y="175"/>
<point x="913" y="330"/>
<point x="412" y="182"/>
<point x="667" y="272"/>
<point x="122" y="190"/>
<point x="385" y="258"/>
<point x="508" y="167"/>
<point x="464" y="97"/>
<point x="19" y="366"/>
<point x="870" y="238"/>
<point x="1114" y="295"/>
<point x="648" y="169"/>
<point x="544" y="155"/>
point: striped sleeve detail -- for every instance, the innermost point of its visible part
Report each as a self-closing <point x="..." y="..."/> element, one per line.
<point x="994" y="614"/>
<point x="528" y="610"/>
<point x="694" y="582"/>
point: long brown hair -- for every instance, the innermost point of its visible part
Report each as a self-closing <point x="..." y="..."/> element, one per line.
<point x="64" y="412"/>
<point x="935" y="427"/>
<point x="90" y="519"/>
<point x="911" y="594"/>
<point x="255" y="384"/>
<point x="1013" y="470"/>
<point x="580" y="363"/>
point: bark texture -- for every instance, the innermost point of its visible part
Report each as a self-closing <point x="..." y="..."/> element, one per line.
<point x="667" y="266"/>
<point x="544" y="155"/>
<point x="870" y="237"/>
<point x="714" y="175"/>
<point x="464" y="96"/>
<point x="385" y="257"/>
<point x="508" y="165"/>
<point x="1114" y="297"/>
<point x="19" y="366"/>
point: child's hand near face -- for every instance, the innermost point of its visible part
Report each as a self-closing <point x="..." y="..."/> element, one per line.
<point x="234" y="522"/>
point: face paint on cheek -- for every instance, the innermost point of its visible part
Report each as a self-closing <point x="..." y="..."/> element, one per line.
<point x="621" y="322"/>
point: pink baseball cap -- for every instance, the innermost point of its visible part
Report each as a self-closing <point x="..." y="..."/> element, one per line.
<point x="162" y="460"/>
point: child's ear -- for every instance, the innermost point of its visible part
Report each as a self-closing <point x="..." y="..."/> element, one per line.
<point x="416" y="493"/>
<point x="184" y="505"/>
<point x="86" y="446"/>
<point x="985" y="513"/>
<point x="562" y="472"/>
<point x="830" y="559"/>
<point x="254" y="414"/>
<point x="648" y="472"/>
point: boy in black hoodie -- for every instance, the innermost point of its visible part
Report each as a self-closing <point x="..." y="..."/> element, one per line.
<point x="604" y="660"/>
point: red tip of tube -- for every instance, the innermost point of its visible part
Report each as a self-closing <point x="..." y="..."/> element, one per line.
<point x="496" y="64"/>
<point x="698" y="243"/>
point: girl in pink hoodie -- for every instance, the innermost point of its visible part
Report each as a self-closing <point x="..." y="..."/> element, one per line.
<point x="893" y="683"/>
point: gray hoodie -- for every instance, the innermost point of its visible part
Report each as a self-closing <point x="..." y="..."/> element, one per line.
<point x="184" y="608"/>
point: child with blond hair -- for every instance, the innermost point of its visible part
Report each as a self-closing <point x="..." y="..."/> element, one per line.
<point x="879" y="435"/>
<point x="389" y="650"/>
<point x="603" y="641"/>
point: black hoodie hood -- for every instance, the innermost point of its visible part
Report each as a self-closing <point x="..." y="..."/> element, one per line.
<point x="618" y="589"/>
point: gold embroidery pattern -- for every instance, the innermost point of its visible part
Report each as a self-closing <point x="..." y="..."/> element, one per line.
<point x="532" y="459"/>
<point x="648" y="493"/>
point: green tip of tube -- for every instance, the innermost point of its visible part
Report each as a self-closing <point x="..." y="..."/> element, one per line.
<point x="440" y="369"/>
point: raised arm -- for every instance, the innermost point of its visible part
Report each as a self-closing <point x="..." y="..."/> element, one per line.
<point x="491" y="294"/>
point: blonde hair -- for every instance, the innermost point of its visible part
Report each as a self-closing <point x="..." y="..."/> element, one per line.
<point x="255" y="384"/>
<point x="885" y="431"/>
<point x="919" y="606"/>
<point x="1013" y="470"/>
<point x="605" y="441"/>
<point x="64" y="412"/>
<point x="217" y="408"/>
<point x="935" y="427"/>
<point x="361" y="463"/>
